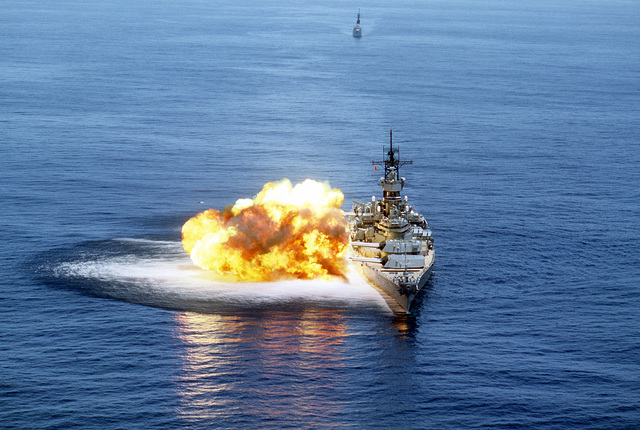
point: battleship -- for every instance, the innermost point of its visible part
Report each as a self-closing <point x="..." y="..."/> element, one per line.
<point x="357" y="29"/>
<point x="391" y="242"/>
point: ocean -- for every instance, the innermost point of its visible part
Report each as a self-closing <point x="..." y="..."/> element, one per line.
<point x="121" y="120"/>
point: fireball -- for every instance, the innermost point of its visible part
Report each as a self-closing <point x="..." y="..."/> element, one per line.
<point x="284" y="232"/>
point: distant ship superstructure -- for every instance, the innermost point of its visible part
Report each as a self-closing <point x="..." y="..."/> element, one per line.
<point x="357" y="29"/>
<point x="391" y="242"/>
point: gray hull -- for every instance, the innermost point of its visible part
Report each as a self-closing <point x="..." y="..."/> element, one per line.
<point x="398" y="302"/>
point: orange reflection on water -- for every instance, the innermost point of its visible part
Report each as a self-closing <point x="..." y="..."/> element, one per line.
<point x="261" y="365"/>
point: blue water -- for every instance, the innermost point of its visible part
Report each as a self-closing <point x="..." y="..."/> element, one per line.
<point x="118" y="118"/>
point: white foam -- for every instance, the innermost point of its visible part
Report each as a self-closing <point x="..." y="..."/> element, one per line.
<point x="168" y="273"/>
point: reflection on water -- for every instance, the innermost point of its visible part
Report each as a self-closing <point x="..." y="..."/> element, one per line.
<point x="300" y="352"/>
<point x="231" y="364"/>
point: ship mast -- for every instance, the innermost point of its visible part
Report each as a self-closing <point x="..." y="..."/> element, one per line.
<point x="391" y="183"/>
<point x="391" y="158"/>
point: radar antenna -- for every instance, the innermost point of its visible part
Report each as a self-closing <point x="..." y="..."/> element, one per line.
<point x="391" y="158"/>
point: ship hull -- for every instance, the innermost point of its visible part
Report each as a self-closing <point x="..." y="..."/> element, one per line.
<point x="398" y="302"/>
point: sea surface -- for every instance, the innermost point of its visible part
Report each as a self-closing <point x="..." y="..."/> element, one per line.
<point x="119" y="120"/>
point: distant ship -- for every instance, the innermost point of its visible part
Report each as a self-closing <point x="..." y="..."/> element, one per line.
<point x="391" y="242"/>
<point x="357" y="29"/>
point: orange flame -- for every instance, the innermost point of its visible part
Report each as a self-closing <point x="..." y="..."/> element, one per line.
<point x="283" y="232"/>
